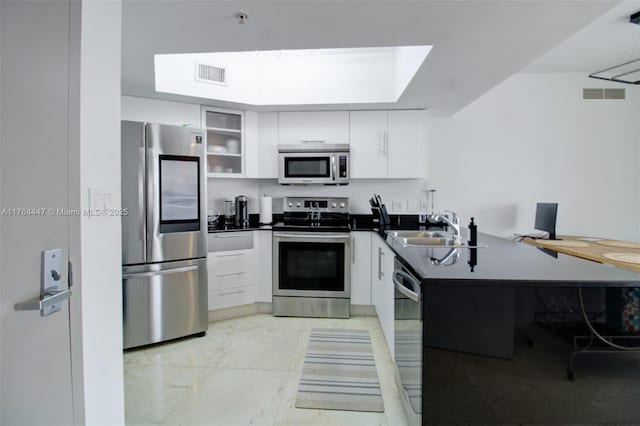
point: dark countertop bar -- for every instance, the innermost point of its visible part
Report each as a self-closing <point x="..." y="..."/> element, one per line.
<point x="504" y="262"/>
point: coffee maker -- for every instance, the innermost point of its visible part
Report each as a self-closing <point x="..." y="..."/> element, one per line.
<point x="242" y="211"/>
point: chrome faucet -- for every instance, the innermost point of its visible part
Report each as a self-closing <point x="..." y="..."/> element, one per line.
<point x="452" y="255"/>
<point x="453" y="222"/>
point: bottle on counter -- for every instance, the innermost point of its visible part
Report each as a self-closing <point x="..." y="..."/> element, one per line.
<point x="473" y="233"/>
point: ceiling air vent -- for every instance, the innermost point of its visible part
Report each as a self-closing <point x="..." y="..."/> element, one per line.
<point x="211" y="74"/>
<point x="614" y="93"/>
<point x="593" y="93"/>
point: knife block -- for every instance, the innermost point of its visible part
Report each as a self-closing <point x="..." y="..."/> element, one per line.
<point x="380" y="216"/>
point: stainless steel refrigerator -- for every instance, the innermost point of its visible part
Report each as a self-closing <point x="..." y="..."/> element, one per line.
<point x="164" y="233"/>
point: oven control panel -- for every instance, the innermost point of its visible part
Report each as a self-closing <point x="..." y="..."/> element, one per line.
<point x="323" y="204"/>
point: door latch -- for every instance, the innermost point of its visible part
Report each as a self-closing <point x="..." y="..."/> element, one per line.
<point x="52" y="290"/>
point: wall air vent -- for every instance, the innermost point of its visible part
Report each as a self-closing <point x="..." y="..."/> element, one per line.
<point x="211" y="74"/>
<point x="593" y="93"/>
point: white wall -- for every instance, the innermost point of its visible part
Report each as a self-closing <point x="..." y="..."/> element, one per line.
<point x="99" y="272"/>
<point x="533" y="138"/>
<point x="157" y="111"/>
<point x="407" y="192"/>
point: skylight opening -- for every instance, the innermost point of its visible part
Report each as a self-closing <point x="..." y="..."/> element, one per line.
<point x="294" y="77"/>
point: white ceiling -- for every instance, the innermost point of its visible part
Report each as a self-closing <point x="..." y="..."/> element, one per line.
<point x="609" y="40"/>
<point x="477" y="44"/>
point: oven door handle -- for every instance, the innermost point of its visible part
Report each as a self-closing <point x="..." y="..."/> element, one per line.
<point x="315" y="237"/>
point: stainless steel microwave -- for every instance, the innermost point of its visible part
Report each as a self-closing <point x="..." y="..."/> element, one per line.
<point x="313" y="163"/>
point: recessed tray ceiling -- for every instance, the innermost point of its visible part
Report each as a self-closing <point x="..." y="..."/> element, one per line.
<point x="290" y="77"/>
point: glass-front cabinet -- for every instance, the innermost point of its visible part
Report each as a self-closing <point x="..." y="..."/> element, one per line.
<point x="225" y="141"/>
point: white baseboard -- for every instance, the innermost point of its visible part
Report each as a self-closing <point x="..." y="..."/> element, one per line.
<point x="267" y="308"/>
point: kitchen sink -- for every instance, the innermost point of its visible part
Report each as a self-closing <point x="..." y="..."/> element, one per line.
<point x="426" y="239"/>
<point x="429" y="241"/>
<point x="418" y="234"/>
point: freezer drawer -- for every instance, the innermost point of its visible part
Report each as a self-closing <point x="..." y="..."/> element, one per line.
<point x="164" y="301"/>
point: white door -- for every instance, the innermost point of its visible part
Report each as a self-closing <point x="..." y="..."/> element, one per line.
<point x="367" y="135"/>
<point x="35" y="375"/>
<point x="407" y="144"/>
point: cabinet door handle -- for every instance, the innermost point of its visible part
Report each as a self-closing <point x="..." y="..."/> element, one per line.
<point x="230" y="255"/>
<point x="230" y="273"/>
<point x="385" y="144"/>
<point x="226" y="293"/>
<point x="380" y="271"/>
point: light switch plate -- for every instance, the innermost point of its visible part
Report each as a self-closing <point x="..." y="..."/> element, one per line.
<point x="99" y="198"/>
<point x="412" y="206"/>
<point x="397" y="206"/>
<point x="52" y="261"/>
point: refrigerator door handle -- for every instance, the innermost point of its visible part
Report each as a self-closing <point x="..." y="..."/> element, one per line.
<point x="161" y="272"/>
<point x="141" y="199"/>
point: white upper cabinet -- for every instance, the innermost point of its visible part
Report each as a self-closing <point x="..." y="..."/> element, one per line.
<point x="225" y="141"/>
<point x="388" y="144"/>
<point x="327" y="126"/>
<point x="367" y="135"/>
<point x="407" y="144"/>
<point x="262" y="150"/>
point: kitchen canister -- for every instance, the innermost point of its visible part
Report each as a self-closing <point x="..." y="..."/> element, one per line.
<point x="265" y="210"/>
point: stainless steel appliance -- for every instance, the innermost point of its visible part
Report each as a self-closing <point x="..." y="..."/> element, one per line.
<point x="312" y="258"/>
<point x="313" y="162"/>
<point x="408" y="340"/>
<point x="242" y="211"/>
<point x="164" y="263"/>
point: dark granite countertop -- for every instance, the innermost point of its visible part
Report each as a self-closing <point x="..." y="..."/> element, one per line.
<point x="506" y="262"/>
<point x="254" y="225"/>
<point x="215" y="230"/>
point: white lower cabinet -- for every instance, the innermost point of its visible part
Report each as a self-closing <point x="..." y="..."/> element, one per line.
<point x="361" y="268"/>
<point x="382" y="291"/>
<point x="232" y="269"/>
<point x="230" y="297"/>
<point x="264" y="279"/>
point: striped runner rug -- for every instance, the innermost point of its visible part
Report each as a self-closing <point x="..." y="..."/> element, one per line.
<point x="339" y="372"/>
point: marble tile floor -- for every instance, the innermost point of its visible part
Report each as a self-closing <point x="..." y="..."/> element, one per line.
<point x="245" y="371"/>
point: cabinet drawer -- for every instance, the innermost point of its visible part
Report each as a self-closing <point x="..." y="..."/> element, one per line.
<point x="234" y="261"/>
<point x="226" y="241"/>
<point x="226" y="298"/>
<point x="219" y="280"/>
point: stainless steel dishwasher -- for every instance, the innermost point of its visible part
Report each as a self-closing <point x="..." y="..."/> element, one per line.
<point x="408" y="341"/>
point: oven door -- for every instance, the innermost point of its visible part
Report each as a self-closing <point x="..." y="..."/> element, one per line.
<point x="307" y="168"/>
<point x="312" y="264"/>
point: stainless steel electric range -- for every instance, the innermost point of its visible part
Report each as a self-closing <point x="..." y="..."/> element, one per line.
<point x="312" y="258"/>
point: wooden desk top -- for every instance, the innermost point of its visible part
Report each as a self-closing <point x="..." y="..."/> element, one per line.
<point x="595" y="249"/>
